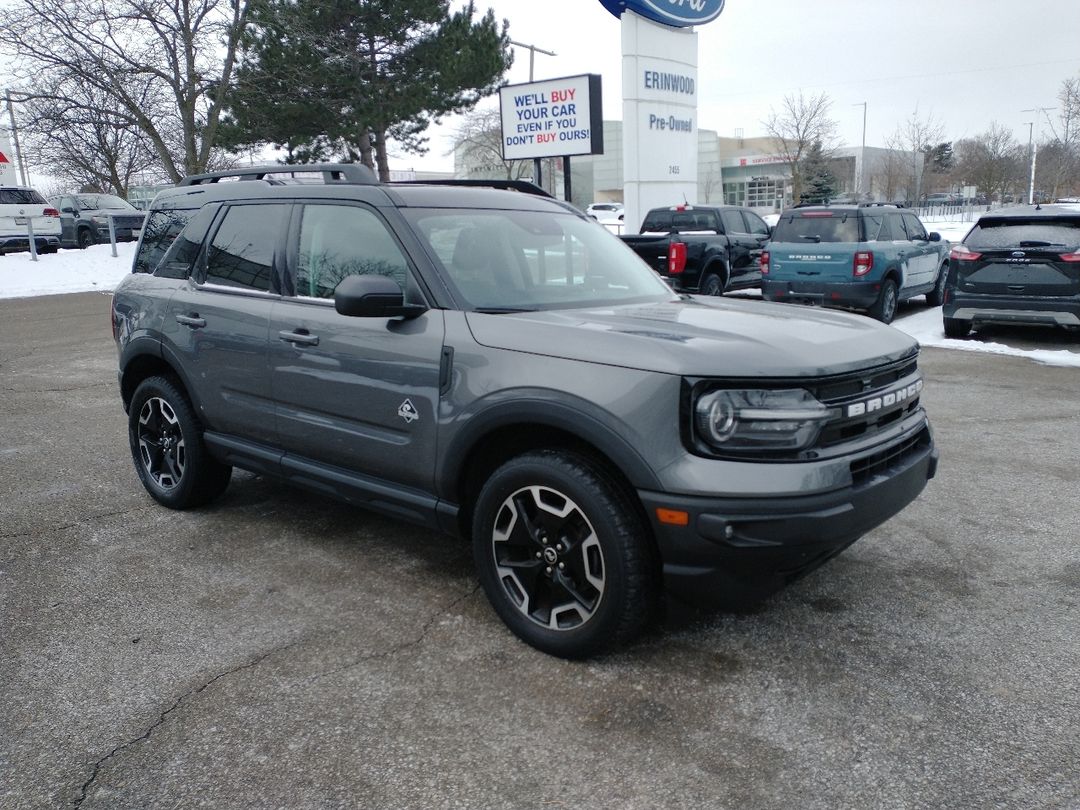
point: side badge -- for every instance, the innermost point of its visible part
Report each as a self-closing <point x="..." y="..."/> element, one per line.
<point x="407" y="411"/>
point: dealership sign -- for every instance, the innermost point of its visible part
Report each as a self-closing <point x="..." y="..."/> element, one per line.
<point x="553" y="118"/>
<point x="676" y="13"/>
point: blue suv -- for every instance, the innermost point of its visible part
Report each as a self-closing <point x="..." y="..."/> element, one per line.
<point x="866" y="258"/>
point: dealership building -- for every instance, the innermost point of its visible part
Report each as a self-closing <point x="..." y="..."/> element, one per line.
<point x="731" y="171"/>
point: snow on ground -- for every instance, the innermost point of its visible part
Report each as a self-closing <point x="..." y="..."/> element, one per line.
<point x="95" y="269"/>
<point x="69" y="271"/>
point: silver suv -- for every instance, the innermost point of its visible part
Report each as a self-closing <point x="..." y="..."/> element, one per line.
<point x="493" y="364"/>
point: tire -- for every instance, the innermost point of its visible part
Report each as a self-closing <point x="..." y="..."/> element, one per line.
<point x="884" y="309"/>
<point x="712" y="284"/>
<point x="167" y="447"/>
<point x="564" y="555"/>
<point x="85" y="238"/>
<point x="936" y="297"/>
<point x="956" y="328"/>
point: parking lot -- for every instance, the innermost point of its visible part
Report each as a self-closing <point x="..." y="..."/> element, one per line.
<point x="281" y="650"/>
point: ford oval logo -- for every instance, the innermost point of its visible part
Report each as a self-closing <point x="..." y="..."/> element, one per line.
<point x="677" y="13"/>
<point x="1019" y="253"/>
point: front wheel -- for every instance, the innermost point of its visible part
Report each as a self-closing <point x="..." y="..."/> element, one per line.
<point x="563" y="554"/>
<point x="167" y="447"/>
<point x="884" y="309"/>
<point x="85" y="238"/>
<point x="936" y="297"/>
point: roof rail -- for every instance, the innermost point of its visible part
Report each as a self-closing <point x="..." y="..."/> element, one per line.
<point x="355" y="173"/>
<point x="524" y="186"/>
<point x="880" y="205"/>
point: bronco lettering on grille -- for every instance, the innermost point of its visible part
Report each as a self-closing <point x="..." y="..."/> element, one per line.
<point x="884" y="400"/>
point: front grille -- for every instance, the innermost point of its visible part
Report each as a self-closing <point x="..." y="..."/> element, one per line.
<point x="886" y="392"/>
<point x="866" y="469"/>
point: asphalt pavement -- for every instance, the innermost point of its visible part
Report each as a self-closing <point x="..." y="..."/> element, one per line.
<point x="281" y="650"/>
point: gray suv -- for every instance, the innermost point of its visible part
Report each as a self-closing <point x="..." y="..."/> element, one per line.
<point x="495" y="365"/>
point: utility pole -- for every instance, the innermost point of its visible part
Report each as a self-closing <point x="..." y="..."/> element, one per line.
<point x="1034" y="148"/>
<point x="538" y="177"/>
<point x="19" y="161"/>
<point x="862" y="153"/>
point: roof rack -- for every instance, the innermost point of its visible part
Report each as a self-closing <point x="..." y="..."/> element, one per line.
<point x="524" y="186"/>
<point x="355" y="173"/>
<point x="880" y="204"/>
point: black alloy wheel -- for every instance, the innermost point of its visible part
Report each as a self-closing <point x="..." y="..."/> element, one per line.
<point x="167" y="447"/>
<point x="712" y="284"/>
<point x="563" y="554"/>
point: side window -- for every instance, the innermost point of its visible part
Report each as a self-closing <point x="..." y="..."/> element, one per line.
<point x="159" y="231"/>
<point x="755" y="224"/>
<point x="733" y="221"/>
<point x="180" y="257"/>
<point x="657" y="222"/>
<point x="241" y="253"/>
<point x="875" y="228"/>
<point x="914" y="228"/>
<point x="342" y="240"/>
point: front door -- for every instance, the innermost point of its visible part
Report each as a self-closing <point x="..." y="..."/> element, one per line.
<point x="357" y="393"/>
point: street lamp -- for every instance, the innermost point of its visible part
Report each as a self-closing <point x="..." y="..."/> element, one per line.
<point x="1034" y="146"/>
<point x="862" y="152"/>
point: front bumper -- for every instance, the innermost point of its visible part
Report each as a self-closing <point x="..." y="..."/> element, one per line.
<point x="738" y="551"/>
<point x="845" y="294"/>
<point x="1036" y="311"/>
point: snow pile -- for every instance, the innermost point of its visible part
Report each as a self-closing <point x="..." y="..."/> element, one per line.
<point x="69" y="271"/>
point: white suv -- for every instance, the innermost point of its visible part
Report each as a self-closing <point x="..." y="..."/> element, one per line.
<point x="18" y="205"/>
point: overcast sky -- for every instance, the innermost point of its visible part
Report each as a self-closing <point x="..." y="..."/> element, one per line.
<point x="968" y="62"/>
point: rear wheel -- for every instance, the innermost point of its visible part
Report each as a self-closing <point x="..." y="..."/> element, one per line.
<point x="712" y="284"/>
<point x="956" y="328"/>
<point x="936" y="297"/>
<point x="167" y="447"/>
<point x="884" y="309"/>
<point x="563" y="554"/>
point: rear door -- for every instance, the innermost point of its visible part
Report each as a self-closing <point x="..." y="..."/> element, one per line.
<point x="814" y="246"/>
<point x="357" y="393"/>
<point x="1022" y="256"/>
<point x="922" y="255"/>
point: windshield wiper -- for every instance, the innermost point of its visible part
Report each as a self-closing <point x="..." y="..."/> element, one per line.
<point x="1037" y="243"/>
<point x="813" y="237"/>
<point x="502" y="310"/>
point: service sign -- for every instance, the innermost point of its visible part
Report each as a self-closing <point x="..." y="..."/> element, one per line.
<point x="676" y="13"/>
<point x="553" y="118"/>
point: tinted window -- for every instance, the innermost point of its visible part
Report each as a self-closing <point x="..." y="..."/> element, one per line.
<point x="159" y="231"/>
<point x="180" y="257"/>
<point x="1021" y="232"/>
<point x="242" y="251"/>
<point x="874" y="228"/>
<point x="91" y="202"/>
<point x="338" y="241"/>
<point x="733" y="222"/>
<point x="817" y="226"/>
<point x="657" y="221"/>
<point x="756" y="224"/>
<point x="21" y="196"/>
<point x="915" y="229"/>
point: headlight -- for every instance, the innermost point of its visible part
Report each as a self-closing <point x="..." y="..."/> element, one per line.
<point x="734" y="420"/>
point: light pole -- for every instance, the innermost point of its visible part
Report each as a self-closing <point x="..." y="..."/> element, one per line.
<point x="538" y="176"/>
<point x="862" y="152"/>
<point x="20" y="161"/>
<point x="1034" y="149"/>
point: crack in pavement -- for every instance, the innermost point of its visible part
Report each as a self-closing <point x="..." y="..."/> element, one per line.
<point x="57" y="390"/>
<point x="404" y="645"/>
<point x="84" y="791"/>
<point x="54" y="529"/>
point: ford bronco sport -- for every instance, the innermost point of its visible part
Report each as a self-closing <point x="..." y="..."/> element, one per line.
<point x="494" y="364"/>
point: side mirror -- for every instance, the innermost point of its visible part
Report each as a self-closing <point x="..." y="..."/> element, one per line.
<point x="67" y="209"/>
<point x="935" y="236"/>
<point x="372" y="296"/>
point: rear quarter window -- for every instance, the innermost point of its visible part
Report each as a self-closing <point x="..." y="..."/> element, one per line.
<point x="1024" y="233"/>
<point x="825" y="226"/>
<point x="159" y="231"/>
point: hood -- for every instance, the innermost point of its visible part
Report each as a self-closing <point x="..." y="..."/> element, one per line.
<point x="701" y="337"/>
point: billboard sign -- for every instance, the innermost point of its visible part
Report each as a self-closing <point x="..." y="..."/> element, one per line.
<point x="9" y="175"/>
<point x="552" y="118"/>
<point x="676" y="13"/>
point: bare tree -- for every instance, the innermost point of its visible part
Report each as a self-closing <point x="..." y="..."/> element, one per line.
<point x="478" y="144"/>
<point x="1059" y="159"/>
<point x="163" y="65"/>
<point x="993" y="161"/>
<point x="916" y="136"/>
<point x="801" y="122"/>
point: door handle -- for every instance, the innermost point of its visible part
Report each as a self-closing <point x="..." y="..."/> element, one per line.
<point x="299" y="338"/>
<point x="193" y="320"/>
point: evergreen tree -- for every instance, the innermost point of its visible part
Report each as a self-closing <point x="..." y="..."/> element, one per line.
<point x="939" y="159"/>
<point x="819" y="183"/>
<point x="324" y="77"/>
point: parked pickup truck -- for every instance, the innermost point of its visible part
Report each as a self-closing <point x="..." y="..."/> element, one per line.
<point x="866" y="258"/>
<point x="703" y="249"/>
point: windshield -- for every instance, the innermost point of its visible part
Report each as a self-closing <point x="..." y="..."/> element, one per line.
<point x="94" y="202"/>
<point x="1018" y="232"/>
<point x="507" y="261"/>
<point x="817" y="226"/>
